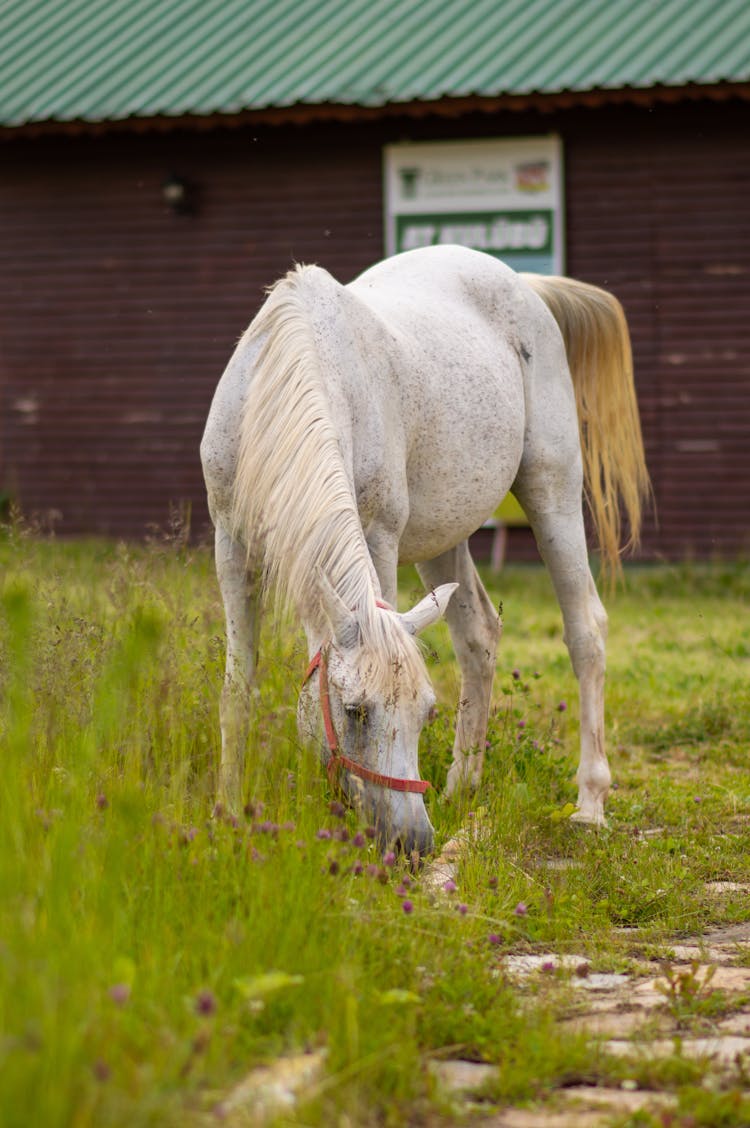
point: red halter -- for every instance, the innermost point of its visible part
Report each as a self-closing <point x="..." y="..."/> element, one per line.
<point x="336" y="761"/>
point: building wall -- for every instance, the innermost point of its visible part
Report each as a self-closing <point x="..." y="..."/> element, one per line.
<point x="117" y="316"/>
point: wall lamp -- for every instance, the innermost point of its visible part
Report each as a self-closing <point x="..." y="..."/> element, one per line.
<point x="178" y="194"/>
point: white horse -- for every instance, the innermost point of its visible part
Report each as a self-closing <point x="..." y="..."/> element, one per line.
<point x="364" y="426"/>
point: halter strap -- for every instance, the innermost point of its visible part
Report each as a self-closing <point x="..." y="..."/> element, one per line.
<point x="336" y="761"/>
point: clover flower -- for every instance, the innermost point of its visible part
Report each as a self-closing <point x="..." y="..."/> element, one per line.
<point x="205" y="1002"/>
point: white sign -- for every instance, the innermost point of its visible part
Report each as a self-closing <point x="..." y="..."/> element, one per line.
<point x="499" y="196"/>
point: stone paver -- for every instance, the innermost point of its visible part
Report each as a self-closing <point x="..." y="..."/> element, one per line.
<point x="724" y="1050"/>
<point x="543" y="1118"/>
<point x="735" y="1024"/>
<point x="580" y="1107"/>
<point x="461" y="1078"/>
<point x="269" y="1091"/>
<point x="611" y="1023"/>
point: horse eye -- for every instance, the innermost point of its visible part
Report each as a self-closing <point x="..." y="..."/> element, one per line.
<point x="357" y="713"/>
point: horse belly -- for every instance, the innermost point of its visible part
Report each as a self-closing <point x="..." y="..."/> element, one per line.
<point x="462" y="464"/>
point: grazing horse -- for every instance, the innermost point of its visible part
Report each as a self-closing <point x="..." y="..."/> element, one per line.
<point x="380" y="423"/>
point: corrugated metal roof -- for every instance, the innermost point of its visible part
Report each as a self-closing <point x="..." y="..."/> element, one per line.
<point x="109" y="60"/>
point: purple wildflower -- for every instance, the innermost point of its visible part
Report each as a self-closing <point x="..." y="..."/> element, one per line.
<point x="101" y="1070"/>
<point x="205" y="1002"/>
<point x="337" y="809"/>
<point x="324" y="832"/>
<point x="520" y="909"/>
<point x="462" y="909"/>
<point x="407" y="906"/>
<point x="371" y="832"/>
<point x="450" y="886"/>
<point x="102" y="801"/>
<point x="494" y="938"/>
<point x="516" y="675"/>
<point x="119" y="993"/>
<point x="359" y="839"/>
<point x="562" y="707"/>
<point x="389" y="858"/>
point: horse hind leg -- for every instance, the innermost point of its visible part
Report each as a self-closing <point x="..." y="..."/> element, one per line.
<point x="475" y="628"/>
<point x="241" y="608"/>
<point x="558" y="526"/>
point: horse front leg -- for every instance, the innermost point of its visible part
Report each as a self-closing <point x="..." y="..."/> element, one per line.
<point x="240" y="598"/>
<point x="475" y="628"/>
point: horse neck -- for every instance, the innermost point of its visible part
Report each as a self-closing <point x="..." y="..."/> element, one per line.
<point x="294" y="505"/>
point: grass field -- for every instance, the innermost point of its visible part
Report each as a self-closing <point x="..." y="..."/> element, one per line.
<point x="151" y="955"/>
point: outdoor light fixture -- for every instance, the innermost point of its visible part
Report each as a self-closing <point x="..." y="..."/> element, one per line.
<point x="176" y="194"/>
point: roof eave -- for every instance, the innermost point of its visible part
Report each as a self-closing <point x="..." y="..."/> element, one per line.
<point x="448" y="107"/>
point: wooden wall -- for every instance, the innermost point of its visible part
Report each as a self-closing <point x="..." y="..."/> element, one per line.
<point x="117" y="316"/>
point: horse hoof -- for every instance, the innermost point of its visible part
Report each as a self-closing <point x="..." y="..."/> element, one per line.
<point x="462" y="778"/>
<point x="589" y="817"/>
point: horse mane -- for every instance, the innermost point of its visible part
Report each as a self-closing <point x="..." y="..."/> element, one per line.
<point x="597" y="343"/>
<point x="293" y="505"/>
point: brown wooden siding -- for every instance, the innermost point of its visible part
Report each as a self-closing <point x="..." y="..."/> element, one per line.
<point x="117" y="316"/>
<point x="658" y="211"/>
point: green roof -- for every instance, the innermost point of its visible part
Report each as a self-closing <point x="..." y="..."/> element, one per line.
<point x="111" y="60"/>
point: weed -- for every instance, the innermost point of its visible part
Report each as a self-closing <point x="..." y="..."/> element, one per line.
<point x="688" y="993"/>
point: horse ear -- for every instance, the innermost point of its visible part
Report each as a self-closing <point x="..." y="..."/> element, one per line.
<point x="429" y="609"/>
<point x="344" y="625"/>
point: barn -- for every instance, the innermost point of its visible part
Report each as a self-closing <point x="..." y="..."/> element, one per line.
<point x="163" y="162"/>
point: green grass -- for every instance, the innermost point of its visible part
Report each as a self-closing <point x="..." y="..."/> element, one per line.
<point x="150" y="955"/>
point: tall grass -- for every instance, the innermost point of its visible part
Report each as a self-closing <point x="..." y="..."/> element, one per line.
<point x="151" y="954"/>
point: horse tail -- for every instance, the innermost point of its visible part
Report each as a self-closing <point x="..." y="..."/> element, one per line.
<point x="597" y="343"/>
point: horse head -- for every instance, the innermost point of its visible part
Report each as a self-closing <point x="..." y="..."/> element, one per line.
<point x="368" y="684"/>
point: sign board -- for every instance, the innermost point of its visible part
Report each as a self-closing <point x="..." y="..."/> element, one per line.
<point x="499" y="196"/>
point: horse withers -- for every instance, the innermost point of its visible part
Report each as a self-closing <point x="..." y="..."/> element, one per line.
<point x="380" y="423"/>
